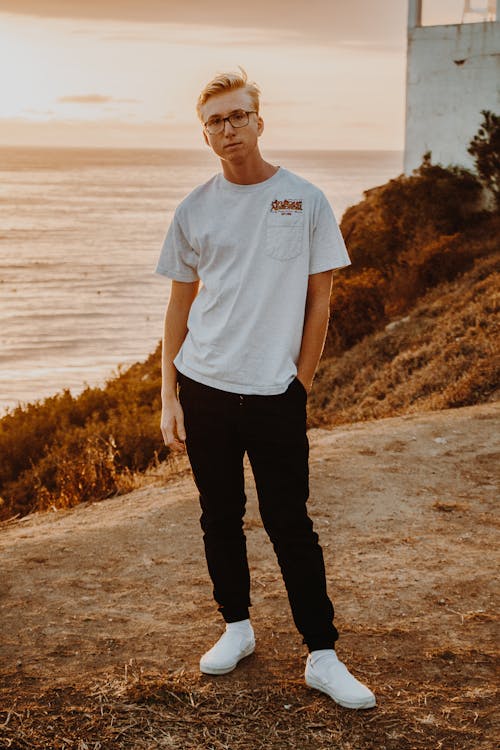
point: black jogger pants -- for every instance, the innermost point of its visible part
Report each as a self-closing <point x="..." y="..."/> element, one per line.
<point x="222" y="426"/>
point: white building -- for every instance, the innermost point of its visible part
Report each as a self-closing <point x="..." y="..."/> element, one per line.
<point x="453" y="72"/>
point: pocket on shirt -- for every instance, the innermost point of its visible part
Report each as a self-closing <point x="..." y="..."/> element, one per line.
<point x="284" y="234"/>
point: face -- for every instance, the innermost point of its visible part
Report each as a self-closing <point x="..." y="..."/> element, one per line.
<point x="232" y="144"/>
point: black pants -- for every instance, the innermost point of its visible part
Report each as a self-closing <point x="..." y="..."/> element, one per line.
<point x="220" y="427"/>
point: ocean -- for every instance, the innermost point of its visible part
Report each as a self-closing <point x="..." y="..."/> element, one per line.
<point x="80" y="235"/>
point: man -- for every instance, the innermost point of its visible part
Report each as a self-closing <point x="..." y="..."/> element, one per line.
<point x="242" y="352"/>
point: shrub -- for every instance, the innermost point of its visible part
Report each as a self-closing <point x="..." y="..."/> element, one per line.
<point x="357" y="309"/>
<point x="67" y="449"/>
<point x="485" y="148"/>
<point x="409" y="211"/>
<point x="404" y="238"/>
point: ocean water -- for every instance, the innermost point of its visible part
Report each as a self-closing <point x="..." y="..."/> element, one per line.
<point x="80" y="234"/>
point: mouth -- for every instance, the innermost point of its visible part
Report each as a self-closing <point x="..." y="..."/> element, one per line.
<point x="231" y="146"/>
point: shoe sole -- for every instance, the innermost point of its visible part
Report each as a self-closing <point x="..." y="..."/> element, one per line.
<point x="317" y="685"/>
<point x="224" y="670"/>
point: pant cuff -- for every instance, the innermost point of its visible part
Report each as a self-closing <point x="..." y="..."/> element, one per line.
<point x="235" y="615"/>
<point x="319" y="642"/>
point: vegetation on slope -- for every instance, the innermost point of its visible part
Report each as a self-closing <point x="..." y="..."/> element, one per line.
<point x="485" y="148"/>
<point x="442" y="354"/>
<point x="404" y="238"/>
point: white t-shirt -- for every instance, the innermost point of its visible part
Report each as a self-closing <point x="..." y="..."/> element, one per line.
<point x="253" y="248"/>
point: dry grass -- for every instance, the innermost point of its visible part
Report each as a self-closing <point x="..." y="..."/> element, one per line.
<point x="447" y="507"/>
<point x="189" y="712"/>
<point x="443" y="354"/>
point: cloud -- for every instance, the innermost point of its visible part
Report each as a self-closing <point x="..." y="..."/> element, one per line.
<point x="197" y="35"/>
<point x="333" y="21"/>
<point x="39" y="112"/>
<point x="108" y="133"/>
<point x="85" y="99"/>
<point x="286" y="103"/>
<point x="369" y="46"/>
<point x="93" y="99"/>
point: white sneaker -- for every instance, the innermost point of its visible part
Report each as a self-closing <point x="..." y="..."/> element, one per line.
<point x="327" y="673"/>
<point x="233" y="645"/>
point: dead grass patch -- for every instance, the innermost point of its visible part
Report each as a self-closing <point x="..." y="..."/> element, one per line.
<point x="443" y="356"/>
<point x="190" y="712"/>
<point x="449" y="507"/>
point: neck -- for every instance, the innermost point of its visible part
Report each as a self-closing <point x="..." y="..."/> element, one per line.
<point x="249" y="171"/>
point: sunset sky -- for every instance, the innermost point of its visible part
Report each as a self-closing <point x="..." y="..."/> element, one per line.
<point x="128" y="72"/>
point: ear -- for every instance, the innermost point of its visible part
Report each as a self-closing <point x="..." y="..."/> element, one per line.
<point x="260" y="125"/>
<point x="205" y="138"/>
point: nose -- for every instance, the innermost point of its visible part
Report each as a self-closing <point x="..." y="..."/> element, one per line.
<point x="228" y="128"/>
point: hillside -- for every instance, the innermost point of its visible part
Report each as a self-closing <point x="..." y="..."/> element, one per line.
<point x="442" y="353"/>
<point x="107" y="607"/>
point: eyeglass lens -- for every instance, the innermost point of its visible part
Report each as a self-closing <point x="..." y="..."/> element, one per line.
<point x="237" y="119"/>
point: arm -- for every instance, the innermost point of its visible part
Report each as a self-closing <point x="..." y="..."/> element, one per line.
<point x="317" y="314"/>
<point x="182" y="295"/>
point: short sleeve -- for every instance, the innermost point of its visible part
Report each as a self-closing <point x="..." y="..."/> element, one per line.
<point x="177" y="258"/>
<point x="328" y="248"/>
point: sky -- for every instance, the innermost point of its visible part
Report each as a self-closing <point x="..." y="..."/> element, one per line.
<point x="127" y="73"/>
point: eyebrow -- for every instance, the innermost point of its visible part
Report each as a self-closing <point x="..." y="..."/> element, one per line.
<point x="233" y="112"/>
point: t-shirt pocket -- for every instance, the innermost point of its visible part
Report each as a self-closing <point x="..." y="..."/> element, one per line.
<point x="284" y="234"/>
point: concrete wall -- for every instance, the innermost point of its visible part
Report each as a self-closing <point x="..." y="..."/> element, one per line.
<point x="453" y="72"/>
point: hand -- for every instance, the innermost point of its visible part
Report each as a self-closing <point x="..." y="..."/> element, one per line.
<point x="172" y="422"/>
<point x="307" y="386"/>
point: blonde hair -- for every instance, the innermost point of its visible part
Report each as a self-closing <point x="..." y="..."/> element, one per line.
<point x="228" y="82"/>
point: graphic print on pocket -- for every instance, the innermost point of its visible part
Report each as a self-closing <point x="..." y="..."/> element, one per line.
<point x="284" y="233"/>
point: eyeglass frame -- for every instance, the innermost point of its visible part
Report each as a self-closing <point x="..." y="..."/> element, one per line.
<point x="228" y="119"/>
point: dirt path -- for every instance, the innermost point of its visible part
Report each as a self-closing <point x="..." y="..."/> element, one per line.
<point x="404" y="510"/>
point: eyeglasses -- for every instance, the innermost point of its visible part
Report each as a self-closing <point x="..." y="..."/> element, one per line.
<point x="238" y="119"/>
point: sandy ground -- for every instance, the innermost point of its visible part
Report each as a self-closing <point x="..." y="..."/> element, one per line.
<point x="404" y="511"/>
